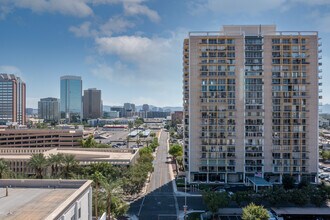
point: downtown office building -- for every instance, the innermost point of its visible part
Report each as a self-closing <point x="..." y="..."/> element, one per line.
<point x="49" y="109"/>
<point x="92" y="104"/>
<point x="250" y="97"/>
<point x="71" y="98"/>
<point x="12" y="99"/>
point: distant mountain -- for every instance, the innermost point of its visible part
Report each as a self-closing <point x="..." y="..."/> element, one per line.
<point x="139" y="107"/>
<point x="325" y="109"/>
<point x="173" y="109"/>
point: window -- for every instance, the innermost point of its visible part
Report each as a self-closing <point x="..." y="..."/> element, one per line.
<point x="276" y="41"/>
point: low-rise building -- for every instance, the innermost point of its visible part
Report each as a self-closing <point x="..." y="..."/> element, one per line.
<point x="45" y="199"/>
<point x="18" y="158"/>
<point x="40" y="138"/>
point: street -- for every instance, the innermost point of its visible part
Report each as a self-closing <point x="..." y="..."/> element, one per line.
<point x="159" y="201"/>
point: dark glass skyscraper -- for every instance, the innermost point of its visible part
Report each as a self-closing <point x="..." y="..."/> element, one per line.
<point x="71" y="98"/>
<point x="12" y="99"/>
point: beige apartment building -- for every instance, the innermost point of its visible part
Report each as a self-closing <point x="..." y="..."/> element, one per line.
<point x="250" y="97"/>
<point x="40" y="138"/>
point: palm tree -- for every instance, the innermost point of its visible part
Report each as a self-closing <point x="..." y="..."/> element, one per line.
<point x="69" y="162"/>
<point x="128" y="137"/>
<point x="4" y="168"/>
<point x="97" y="178"/>
<point x="130" y="125"/>
<point x="56" y="161"/>
<point x="138" y="142"/>
<point x="38" y="162"/>
<point x="110" y="188"/>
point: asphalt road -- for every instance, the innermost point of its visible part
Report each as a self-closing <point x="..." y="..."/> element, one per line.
<point x="159" y="201"/>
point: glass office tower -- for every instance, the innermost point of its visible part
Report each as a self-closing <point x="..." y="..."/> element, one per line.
<point x="71" y="98"/>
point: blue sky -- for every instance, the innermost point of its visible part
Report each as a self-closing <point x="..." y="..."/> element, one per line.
<point x="132" y="49"/>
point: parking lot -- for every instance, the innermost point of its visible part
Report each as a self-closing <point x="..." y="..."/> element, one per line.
<point x="324" y="172"/>
<point x="118" y="139"/>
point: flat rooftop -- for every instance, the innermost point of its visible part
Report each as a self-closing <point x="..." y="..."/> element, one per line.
<point x="115" y="156"/>
<point x="37" y="199"/>
<point x="302" y="211"/>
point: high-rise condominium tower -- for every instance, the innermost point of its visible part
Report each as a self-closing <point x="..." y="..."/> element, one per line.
<point x="71" y="98"/>
<point x="92" y="104"/>
<point x="49" y="109"/>
<point x="251" y="104"/>
<point x="12" y="99"/>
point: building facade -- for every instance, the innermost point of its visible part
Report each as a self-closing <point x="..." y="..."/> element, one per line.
<point x="49" y="109"/>
<point x="12" y="99"/>
<point x="250" y="98"/>
<point x="92" y="103"/>
<point x="71" y="98"/>
<point x="40" y="138"/>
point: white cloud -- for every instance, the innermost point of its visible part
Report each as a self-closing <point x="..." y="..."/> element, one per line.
<point x="238" y="6"/>
<point x="115" y="24"/>
<point x="83" y="30"/>
<point x="4" y="11"/>
<point x="119" y="73"/>
<point x="312" y="3"/>
<point x="251" y="7"/>
<point x="135" y="8"/>
<point x="11" y="70"/>
<point x="77" y="8"/>
<point x="136" y="49"/>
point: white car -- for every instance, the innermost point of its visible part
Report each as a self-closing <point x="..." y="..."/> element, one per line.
<point x="324" y="175"/>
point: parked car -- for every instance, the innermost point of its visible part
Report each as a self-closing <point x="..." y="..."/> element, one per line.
<point x="321" y="166"/>
<point x="327" y="169"/>
<point x="324" y="175"/>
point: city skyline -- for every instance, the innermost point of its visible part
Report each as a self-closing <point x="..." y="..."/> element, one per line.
<point x="131" y="50"/>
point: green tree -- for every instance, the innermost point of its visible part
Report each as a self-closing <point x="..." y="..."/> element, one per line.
<point x="317" y="196"/>
<point x="299" y="197"/>
<point x="56" y="162"/>
<point x="242" y="197"/>
<point x="288" y="182"/>
<point x="89" y="142"/>
<point x="138" y="122"/>
<point x="69" y="163"/>
<point x="38" y="162"/>
<point x="325" y="154"/>
<point x="215" y="200"/>
<point x="130" y="125"/>
<point x="175" y="151"/>
<point x="276" y="196"/>
<point x="106" y="169"/>
<point x="4" y="168"/>
<point x="145" y="150"/>
<point x="255" y="212"/>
